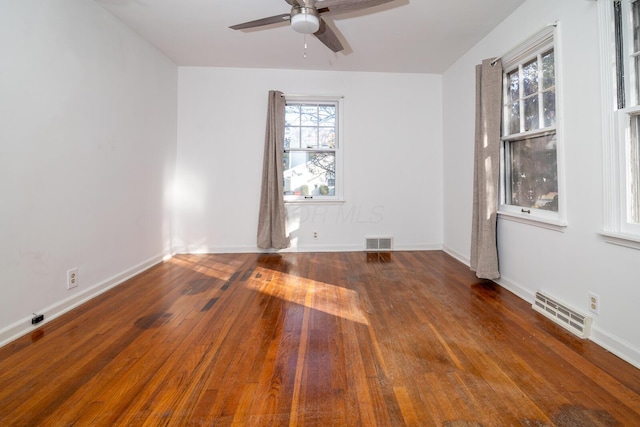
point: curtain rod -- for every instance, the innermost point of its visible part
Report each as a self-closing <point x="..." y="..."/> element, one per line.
<point x="497" y="58"/>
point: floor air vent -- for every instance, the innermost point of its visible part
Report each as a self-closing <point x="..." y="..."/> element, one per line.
<point x="569" y="319"/>
<point x="378" y="244"/>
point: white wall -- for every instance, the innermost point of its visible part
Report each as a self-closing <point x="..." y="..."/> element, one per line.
<point x="393" y="159"/>
<point x="87" y="154"/>
<point x="566" y="265"/>
<point x="88" y="151"/>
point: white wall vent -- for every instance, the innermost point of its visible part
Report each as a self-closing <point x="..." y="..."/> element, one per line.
<point x="376" y="244"/>
<point x="564" y="316"/>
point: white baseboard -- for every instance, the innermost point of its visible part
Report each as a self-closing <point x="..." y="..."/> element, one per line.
<point x="615" y="345"/>
<point x="217" y="250"/>
<point x="299" y="248"/>
<point x="457" y="255"/>
<point x="610" y="342"/>
<point x="421" y="247"/>
<point x="604" y="339"/>
<point x="515" y="288"/>
<point x="24" y="326"/>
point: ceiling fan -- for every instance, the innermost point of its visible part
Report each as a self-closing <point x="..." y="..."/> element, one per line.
<point x="305" y="18"/>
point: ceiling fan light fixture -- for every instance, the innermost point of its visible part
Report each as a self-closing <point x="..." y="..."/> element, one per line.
<point x="305" y="20"/>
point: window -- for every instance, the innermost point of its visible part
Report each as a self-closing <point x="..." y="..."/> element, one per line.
<point x="531" y="187"/>
<point x="620" y="38"/>
<point x="627" y="66"/>
<point x="312" y="156"/>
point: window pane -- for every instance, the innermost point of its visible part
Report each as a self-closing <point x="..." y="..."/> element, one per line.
<point x="327" y="138"/>
<point x="514" y="86"/>
<point x="620" y="56"/>
<point x="533" y="173"/>
<point x="549" y="108"/>
<point x="531" y="113"/>
<point x="514" y="118"/>
<point x="636" y="26"/>
<point x="636" y="64"/>
<point x="327" y="115"/>
<point x="530" y="77"/>
<point x="309" y="137"/>
<point x="633" y="179"/>
<point x="291" y="137"/>
<point x="309" y="115"/>
<point x="636" y="44"/>
<point x="309" y="173"/>
<point x="548" y="70"/>
<point x="292" y="115"/>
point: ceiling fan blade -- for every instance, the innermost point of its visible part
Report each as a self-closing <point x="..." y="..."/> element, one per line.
<point x="341" y="6"/>
<point x="327" y="36"/>
<point x="285" y="17"/>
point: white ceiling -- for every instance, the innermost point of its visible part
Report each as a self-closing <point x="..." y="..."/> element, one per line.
<point x="412" y="36"/>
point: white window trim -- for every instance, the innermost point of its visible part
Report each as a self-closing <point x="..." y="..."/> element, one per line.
<point x="630" y="94"/>
<point x="339" y="150"/>
<point x="544" y="39"/>
<point x="614" y="125"/>
<point x="622" y="142"/>
<point x="621" y="239"/>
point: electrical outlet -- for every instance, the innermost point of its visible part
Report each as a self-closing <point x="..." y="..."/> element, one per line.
<point x="594" y="303"/>
<point x="315" y="235"/>
<point x="72" y="278"/>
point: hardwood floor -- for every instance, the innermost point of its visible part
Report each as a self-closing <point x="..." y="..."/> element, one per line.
<point x="323" y="339"/>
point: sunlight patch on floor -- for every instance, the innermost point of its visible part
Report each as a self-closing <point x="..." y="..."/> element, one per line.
<point x="330" y="299"/>
<point x="204" y="269"/>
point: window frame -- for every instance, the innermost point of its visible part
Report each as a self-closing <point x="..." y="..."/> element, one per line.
<point x="338" y="150"/>
<point x="535" y="46"/>
<point x="624" y="104"/>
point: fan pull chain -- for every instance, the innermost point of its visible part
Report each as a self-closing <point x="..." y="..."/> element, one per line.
<point x="305" y="47"/>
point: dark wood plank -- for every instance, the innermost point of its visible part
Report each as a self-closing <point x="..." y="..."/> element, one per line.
<point x="324" y="339"/>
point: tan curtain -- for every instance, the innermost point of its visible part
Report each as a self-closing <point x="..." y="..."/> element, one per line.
<point x="272" y="217"/>
<point x="484" y="249"/>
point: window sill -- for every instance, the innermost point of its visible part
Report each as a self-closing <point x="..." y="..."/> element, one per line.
<point x="547" y="223"/>
<point x="621" y="239"/>
<point x="314" y="202"/>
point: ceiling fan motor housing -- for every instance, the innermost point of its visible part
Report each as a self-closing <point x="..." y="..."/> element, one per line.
<point x="305" y="20"/>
